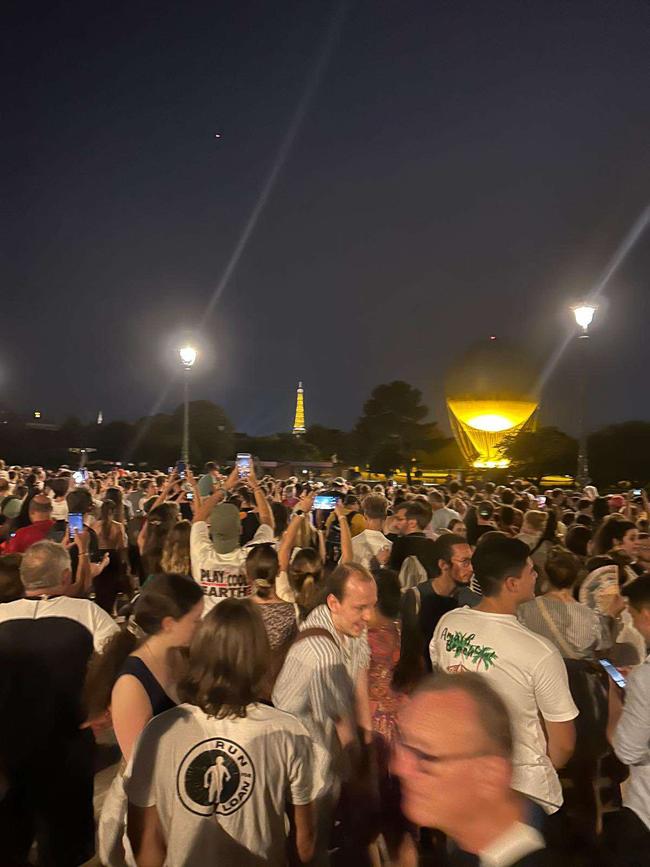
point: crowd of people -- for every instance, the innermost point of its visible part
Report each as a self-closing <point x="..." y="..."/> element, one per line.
<point x="322" y="672"/>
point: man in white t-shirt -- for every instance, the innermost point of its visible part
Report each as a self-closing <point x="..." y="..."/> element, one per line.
<point x="525" y="669"/>
<point x="368" y="544"/>
<point x="217" y="555"/>
<point x="46" y="756"/>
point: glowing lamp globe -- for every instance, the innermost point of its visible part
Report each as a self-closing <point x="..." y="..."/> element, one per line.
<point x="490" y="395"/>
<point x="188" y="355"/>
<point x="584" y="314"/>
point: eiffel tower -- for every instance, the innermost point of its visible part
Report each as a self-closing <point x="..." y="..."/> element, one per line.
<point x="299" y="420"/>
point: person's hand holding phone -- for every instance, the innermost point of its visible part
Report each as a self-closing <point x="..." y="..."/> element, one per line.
<point x="232" y="479"/>
<point x="339" y="510"/>
<point x="251" y="478"/>
<point x="79" y="539"/>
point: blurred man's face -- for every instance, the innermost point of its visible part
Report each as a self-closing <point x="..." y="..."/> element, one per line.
<point x="352" y="614"/>
<point x="437" y="758"/>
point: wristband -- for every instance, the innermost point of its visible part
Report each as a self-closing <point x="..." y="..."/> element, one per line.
<point x="297" y="513"/>
<point x="84" y="554"/>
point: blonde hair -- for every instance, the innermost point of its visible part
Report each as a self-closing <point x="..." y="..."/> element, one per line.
<point x="306" y="537"/>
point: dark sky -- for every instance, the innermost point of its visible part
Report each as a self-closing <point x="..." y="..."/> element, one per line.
<point x="458" y="169"/>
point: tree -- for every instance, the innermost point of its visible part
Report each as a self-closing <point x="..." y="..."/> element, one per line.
<point x="278" y="447"/>
<point x="392" y="427"/>
<point x="211" y="431"/>
<point x="330" y="441"/>
<point x="620" y="452"/>
<point x="541" y="452"/>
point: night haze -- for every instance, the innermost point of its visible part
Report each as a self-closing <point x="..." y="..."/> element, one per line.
<point x="389" y="183"/>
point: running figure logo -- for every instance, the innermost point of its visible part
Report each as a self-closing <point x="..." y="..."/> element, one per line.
<point x="215" y="777"/>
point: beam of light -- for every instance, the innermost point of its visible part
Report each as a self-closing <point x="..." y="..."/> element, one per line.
<point x="144" y="429"/>
<point x="309" y="90"/>
<point x="613" y="265"/>
<point x="308" y="93"/>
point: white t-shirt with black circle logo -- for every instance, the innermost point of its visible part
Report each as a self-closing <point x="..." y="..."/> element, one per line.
<point x="220" y="786"/>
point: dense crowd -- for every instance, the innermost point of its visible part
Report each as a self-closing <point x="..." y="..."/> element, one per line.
<point x="322" y="672"/>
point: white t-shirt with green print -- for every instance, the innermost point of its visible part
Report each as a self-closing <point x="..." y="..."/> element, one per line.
<point x="530" y="676"/>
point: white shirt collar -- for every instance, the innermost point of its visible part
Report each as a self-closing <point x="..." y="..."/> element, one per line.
<point x="519" y="840"/>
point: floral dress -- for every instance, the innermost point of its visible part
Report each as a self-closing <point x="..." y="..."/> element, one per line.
<point x="384" y="641"/>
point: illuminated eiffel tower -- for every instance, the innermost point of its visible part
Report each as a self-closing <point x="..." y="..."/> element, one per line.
<point x="299" y="420"/>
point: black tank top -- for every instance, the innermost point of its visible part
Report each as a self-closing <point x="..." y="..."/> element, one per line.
<point x="159" y="699"/>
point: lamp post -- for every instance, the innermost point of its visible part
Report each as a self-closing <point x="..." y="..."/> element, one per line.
<point x="188" y="357"/>
<point x="584" y="314"/>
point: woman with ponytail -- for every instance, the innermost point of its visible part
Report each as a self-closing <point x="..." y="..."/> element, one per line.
<point x="262" y="567"/>
<point x="135" y="677"/>
<point x="301" y="571"/>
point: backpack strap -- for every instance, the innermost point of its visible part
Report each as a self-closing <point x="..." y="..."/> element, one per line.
<point x="418" y="599"/>
<point x="543" y="610"/>
<point x="315" y="632"/>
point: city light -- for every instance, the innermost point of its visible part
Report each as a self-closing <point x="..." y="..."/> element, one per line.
<point x="188" y="355"/>
<point x="584" y="314"/>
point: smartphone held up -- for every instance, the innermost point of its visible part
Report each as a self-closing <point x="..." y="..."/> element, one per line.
<point x="244" y="464"/>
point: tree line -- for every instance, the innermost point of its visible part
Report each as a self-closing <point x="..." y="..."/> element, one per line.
<point x="391" y="433"/>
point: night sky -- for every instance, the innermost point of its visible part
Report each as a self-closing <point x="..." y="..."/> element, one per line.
<point x="442" y="171"/>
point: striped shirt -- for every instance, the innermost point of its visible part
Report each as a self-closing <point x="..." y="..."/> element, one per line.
<point x="317" y="684"/>
<point x="583" y="630"/>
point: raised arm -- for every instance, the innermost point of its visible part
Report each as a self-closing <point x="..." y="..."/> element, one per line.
<point x="346" y="537"/>
<point x="202" y="512"/>
<point x="287" y="543"/>
<point x="264" y="512"/>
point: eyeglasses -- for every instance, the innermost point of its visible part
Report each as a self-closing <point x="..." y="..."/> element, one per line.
<point x="466" y="561"/>
<point x="432" y="761"/>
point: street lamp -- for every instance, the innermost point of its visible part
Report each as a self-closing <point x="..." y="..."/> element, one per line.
<point x="188" y="357"/>
<point x="584" y="314"/>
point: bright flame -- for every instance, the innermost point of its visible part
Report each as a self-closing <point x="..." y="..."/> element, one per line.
<point x="188" y="355"/>
<point x="490" y="422"/>
<point x="584" y="315"/>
